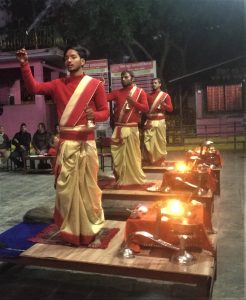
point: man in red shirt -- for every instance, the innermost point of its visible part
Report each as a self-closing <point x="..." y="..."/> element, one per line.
<point x="129" y="101"/>
<point x="154" y="150"/>
<point x="78" y="98"/>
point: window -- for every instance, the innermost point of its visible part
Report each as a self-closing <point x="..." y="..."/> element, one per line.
<point x="224" y="98"/>
<point x="26" y="98"/>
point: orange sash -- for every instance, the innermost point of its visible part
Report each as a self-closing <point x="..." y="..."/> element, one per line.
<point x="78" y="101"/>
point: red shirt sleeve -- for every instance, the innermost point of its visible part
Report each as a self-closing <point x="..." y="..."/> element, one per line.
<point x="142" y="103"/>
<point x="168" y="104"/>
<point x="33" y="86"/>
<point x="102" y="110"/>
<point x="112" y="95"/>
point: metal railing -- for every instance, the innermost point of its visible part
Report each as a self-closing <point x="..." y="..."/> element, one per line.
<point x="224" y="133"/>
<point x="43" y="37"/>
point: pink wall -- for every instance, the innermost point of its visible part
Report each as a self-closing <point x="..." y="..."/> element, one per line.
<point x="217" y="125"/>
<point x="15" y="91"/>
<point x="31" y="114"/>
<point x="220" y="126"/>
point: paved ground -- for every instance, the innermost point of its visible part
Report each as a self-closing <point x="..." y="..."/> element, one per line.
<point x="19" y="193"/>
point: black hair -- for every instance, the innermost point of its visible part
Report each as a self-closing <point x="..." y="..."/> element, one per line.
<point x="129" y="72"/>
<point x="22" y="125"/>
<point x="42" y="124"/>
<point x="83" y="53"/>
<point x="157" y="78"/>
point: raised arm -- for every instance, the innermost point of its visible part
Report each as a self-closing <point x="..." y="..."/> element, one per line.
<point x="32" y="86"/>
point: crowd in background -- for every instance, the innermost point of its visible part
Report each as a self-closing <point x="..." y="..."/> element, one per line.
<point x="42" y="142"/>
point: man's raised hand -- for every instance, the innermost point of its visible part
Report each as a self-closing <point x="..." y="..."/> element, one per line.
<point x="21" y="55"/>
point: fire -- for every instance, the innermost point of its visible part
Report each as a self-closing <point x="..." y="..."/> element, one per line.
<point x="173" y="208"/>
<point x="181" y="167"/>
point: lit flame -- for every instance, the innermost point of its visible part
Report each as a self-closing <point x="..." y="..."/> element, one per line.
<point x="181" y="167"/>
<point x="174" y="208"/>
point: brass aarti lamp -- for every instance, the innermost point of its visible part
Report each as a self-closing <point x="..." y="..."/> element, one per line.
<point x="126" y="251"/>
<point x="177" y="213"/>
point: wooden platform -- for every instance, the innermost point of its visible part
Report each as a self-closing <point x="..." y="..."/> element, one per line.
<point x="109" y="261"/>
<point x="135" y="196"/>
<point x="208" y="201"/>
<point x="169" y="165"/>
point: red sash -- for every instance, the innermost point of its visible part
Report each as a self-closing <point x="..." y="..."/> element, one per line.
<point x="78" y="101"/>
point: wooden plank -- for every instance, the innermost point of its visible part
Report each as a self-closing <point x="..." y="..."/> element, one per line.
<point x="111" y="257"/>
<point x="169" y="165"/>
<point x="109" y="261"/>
<point x="206" y="199"/>
<point x="138" y="195"/>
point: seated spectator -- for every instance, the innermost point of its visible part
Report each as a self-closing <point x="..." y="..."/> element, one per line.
<point x="40" y="143"/>
<point x="21" y="141"/>
<point x="4" y="146"/>
<point x="54" y="141"/>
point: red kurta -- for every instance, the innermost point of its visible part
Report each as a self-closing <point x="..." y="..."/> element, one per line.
<point x="154" y="150"/>
<point x="168" y="107"/>
<point x="62" y="89"/>
<point x="125" y="146"/>
<point x="78" y="210"/>
<point x="119" y="97"/>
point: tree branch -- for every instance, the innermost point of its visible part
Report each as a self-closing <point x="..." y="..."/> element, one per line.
<point x="141" y="47"/>
<point x="131" y="52"/>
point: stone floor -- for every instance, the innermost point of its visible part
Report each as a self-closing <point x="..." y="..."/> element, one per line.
<point x="19" y="193"/>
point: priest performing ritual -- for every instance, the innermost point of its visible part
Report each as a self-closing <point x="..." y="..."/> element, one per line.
<point x="81" y="102"/>
<point x="129" y="101"/>
<point x="154" y="150"/>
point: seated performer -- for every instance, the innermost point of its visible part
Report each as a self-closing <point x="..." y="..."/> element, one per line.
<point x="79" y="98"/>
<point x="129" y="101"/>
<point x="154" y="148"/>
